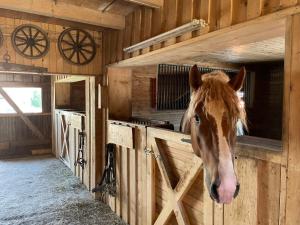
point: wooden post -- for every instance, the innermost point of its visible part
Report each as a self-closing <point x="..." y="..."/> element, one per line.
<point x="119" y="90"/>
<point x="292" y="115"/>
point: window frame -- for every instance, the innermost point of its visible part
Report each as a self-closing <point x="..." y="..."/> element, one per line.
<point x="25" y="85"/>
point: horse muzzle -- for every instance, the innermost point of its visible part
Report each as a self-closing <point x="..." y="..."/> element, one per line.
<point x="226" y="198"/>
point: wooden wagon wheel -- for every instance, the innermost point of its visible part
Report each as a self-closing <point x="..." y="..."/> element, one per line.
<point x="76" y="46"/>
<point x="1" y="39"/>
<point x="30" y="41"/>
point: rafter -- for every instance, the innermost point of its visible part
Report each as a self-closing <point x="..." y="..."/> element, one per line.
<point x="65" y="11"/>
<point x="149" y="3"/>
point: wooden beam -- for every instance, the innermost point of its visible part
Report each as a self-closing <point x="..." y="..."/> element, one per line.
<point x="5" y="115"/>
<point x="23" y="84"/>
<point x="59" y="10"/>
<point x="50" y="20"/>
<point x="240" y="34"/>
<point x="60" y="75"/>
<point x="28" y="123"/>
<point x="292" y="119"/>
<point x="149" y="3"/>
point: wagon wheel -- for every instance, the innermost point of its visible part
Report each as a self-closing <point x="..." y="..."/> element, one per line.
<point x="30" y="41"/>
<point x="76" y="46"/>
<point x="1" y="39"/>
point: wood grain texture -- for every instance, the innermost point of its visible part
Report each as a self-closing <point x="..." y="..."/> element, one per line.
<point x="121" y="135"/>
<point x="218" y="14"/>
<point x="52" y="60"/>
<point x="132" y="178"/>
<point x="293" y="184"/>
<point x="71" y="12"/>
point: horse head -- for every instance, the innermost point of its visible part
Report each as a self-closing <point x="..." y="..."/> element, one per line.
<point x="211" y="119"/>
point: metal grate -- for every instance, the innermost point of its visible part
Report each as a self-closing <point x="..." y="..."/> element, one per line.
<point x="173" y="90"/>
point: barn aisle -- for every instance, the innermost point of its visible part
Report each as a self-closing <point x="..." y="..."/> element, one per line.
<point x="42" y="190"/>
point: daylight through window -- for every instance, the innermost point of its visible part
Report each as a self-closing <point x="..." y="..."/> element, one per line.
<point x="28" y="99"/>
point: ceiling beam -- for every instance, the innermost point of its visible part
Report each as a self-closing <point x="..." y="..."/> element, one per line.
<point x="59" y="10"/>
<point x="149" y="3"/>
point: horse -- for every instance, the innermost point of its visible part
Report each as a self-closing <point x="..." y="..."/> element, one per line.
<point x="211" y="120"/>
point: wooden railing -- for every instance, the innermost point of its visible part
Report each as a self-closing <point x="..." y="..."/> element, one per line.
<point x="160" y="181"/>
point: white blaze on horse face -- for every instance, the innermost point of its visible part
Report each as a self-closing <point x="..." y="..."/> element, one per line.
<point x="227" y="175"/>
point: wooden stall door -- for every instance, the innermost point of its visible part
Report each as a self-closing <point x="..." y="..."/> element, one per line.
<point x="68" y="125"/>
<point x="133" y="173"/>
<point x="177" y="187"/>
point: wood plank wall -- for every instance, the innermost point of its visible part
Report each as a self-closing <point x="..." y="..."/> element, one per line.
<point x="132" y="180"/>
<point x="15" y="136"/>
<point x="53" y="60"/>
<point x="292" y="120"/>
<point x="261" y="199"/>
<point x="142" y="78"/>
<point x="144" y="22"/>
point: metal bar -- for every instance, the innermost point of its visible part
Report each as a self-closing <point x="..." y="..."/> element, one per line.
<point x="195" y="24"/>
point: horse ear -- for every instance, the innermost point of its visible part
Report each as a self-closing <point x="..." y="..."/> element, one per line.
<point x="237" y="82"/>
<point x="195" y="78"/>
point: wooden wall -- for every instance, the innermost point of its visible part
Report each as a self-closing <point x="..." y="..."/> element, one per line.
<point x="132" y="178"/>
<point x="77" y="95"/>
<point x="291" y="119"/>
<point x="270" y="188"/>
<point x="15" y="136"/>
<point x="143" y="193"/>
<point x="130" y="95"/>
<point x="144" y="22"/>
<point x="119" y="92"/>
<point x="142" y="97"/>
<point x="53" y="60"/>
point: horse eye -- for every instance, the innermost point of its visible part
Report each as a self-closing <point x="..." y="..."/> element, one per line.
<point x="197" y="118"/>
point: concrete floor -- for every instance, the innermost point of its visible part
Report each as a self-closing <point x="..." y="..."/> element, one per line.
<point x="42" y="190"/>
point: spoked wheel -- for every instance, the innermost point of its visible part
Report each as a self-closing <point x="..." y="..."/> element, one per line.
<point x="30" y="41"/>
<point x="76" y="46"/>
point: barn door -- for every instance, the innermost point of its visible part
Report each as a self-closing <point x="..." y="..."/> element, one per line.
<point x="134" y="173"/>
<point x="64" y="138"/>
<point x="177" y="170"/>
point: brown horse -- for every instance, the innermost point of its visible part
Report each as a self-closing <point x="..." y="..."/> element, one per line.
<point x="211" y="119"/>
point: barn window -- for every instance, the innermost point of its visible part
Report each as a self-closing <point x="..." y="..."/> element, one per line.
<point x="28" y="99"/>
<point x="262" y="95"/>
<point x="173" y="90"/>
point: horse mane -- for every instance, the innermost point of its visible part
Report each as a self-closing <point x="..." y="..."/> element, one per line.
<point x="215" y="93"/>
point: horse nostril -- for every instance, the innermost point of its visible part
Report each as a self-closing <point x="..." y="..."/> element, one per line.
<point x="237" y="190"/>
<point x="214" y="192"/>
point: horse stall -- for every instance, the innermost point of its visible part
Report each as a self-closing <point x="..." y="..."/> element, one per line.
<point x="67" y="118"/>
<point x="110" y="83"/>
<point x="159" y="179"/>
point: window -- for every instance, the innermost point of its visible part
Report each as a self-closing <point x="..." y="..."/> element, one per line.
<point x="28" y="99"/>
<point x="173" y="90"/>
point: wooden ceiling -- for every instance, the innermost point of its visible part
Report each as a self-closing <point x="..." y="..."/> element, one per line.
<point x="238" y="44"/>
<point x="98" y="13"/>
<point x="266" y="50"/>
<point x="120" y="7"/>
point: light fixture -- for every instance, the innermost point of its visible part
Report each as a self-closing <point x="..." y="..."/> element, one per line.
<point x="195" y="24"/>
